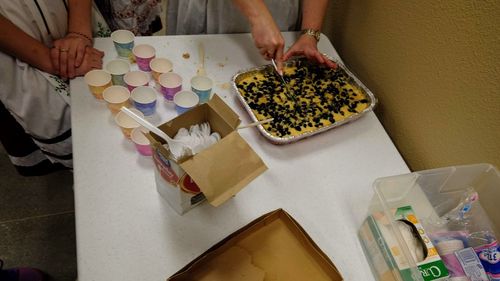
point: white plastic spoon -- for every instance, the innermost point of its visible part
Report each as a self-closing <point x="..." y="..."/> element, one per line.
<point x="176" y="146"/>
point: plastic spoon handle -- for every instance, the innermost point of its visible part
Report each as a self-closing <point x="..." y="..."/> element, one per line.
<point x="256" y="123"/>
<point x="201" y="64"/>
<point x="147" y="125"/>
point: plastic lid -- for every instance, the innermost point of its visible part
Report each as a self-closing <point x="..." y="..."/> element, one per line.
<point x="449" y="246"/>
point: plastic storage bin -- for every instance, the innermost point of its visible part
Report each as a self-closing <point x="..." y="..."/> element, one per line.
<point x="430" y="193"/>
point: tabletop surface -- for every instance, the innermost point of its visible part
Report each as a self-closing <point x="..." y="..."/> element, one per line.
<point x="126" y="231"/>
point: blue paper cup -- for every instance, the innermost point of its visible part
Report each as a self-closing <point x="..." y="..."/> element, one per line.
<point x="124" y="42"/>
<point x="117" y="68"/>
<point x="185" y="100"/>
<point x="202" y="86"/>
<point x="144" y="99"/>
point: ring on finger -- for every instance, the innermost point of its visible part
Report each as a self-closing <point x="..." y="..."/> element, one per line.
<point x="63" y="50"/>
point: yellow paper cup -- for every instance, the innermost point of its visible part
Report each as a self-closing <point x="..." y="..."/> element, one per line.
<point x="126" y="123"/>
<point x="97" y="80"/>
<point x="116" y="97"/>
<point x="159" y="66"/>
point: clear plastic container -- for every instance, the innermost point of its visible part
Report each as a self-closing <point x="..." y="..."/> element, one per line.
<point x="431" y="194"/>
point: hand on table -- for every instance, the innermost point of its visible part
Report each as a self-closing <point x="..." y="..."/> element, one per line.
<point x="68" y="53"/>
<point x="92" y="59"/>
<point x="308" y="46"/>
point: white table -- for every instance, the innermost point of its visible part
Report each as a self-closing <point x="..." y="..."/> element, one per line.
<point x="126" y="231"/>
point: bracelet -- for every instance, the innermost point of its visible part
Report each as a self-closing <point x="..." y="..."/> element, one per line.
<point x="311" y="32"/>
<point x="81" y="35"/>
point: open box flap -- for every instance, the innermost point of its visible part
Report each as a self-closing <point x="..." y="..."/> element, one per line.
<point x="272" y="247"/>
<point x="218" y="105"/>
<point x="224" y="169"/>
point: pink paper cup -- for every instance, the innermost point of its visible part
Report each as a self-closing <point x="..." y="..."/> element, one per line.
<point x="144" y="99"/>
<point x="97" y="80"/>
<point x="144" y="53"/>
<point x="185" y="100"/>
<point x="135" y="79"/>
<point x="141" y="142"/>
<point x="126" y="123"/>
<point x="170" y="83"/>
<point x="159" y="66"/>
<point x="116" y="97"/>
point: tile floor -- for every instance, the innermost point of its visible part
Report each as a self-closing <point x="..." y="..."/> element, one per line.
<point x="37" y="221"/>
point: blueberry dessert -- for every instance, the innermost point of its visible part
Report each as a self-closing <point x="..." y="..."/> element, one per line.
<point x="316" y="97"/>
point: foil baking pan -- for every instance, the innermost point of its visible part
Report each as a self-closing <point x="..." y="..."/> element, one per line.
<point x="348" y="77"/>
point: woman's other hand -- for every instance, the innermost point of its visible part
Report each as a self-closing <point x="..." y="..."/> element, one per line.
<point x="308" y="46"/>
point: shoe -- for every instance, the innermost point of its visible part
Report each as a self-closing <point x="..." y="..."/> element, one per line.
<point x="20" y="274"/>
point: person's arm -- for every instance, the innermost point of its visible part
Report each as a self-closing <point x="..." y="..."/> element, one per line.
<point x="313" y="13"/>
<point x="265" y="32"/>
<point x="69" y="51"/>
<point x="17" y="43"/>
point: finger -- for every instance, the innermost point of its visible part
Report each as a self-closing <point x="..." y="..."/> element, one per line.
<point x="63" y="62"/>
<point x="80" y="52"/>
<point x="54" y="57"/>
<point x="279" y="60"/>
<point x="319" y="57"/>
<point x="71" y="55"/>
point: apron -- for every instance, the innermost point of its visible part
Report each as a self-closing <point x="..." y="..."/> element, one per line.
<point x="38" y="101"/>
<point x="222" y="16"/>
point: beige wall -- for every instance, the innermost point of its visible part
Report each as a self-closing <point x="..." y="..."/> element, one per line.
<point x="435" y="67"/>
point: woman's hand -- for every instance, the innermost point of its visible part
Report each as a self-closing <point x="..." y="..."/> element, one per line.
<point x="308" y="46"/>
<point x="92" y="59"/>
<point x="68" y="53"/>
<point x="268" y="39"/>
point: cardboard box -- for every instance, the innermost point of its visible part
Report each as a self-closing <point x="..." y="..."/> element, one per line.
<point x="216" y="173"/>
<point x="272" y="247"/>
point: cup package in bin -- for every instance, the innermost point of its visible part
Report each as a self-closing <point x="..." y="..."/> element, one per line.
<point x="439" y="224"/>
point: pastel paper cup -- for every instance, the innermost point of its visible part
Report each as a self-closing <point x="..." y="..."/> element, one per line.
<point x="97" y="80"/>
<point x="185" y="100"/>
<point x="135" y="79"/>
<point x="143" y="54"/>
<point x="118" y="68"/>
<point x="159" y="66"/>
<point x="170" y="84"/>
<point x="140" y="141"/>
<point x="144" y="99"/>
<point x="202" y="86"/>
<point x="116" y="97"/>
<point x="124" y="42"/>
<point x="126" y="123"/>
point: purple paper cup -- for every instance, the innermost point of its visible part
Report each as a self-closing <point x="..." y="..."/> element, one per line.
<point x="185" y="100"/>
<point x="170" y="83"/>
<point x="144" y="99"/>
<point x="143" y="54"/>
<point x="140" y="141"/>
<point x="135" y="79"/>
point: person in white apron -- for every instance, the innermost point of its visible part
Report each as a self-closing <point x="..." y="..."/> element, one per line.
<point x="34" y="109"/>
<point x="264" y="18"/>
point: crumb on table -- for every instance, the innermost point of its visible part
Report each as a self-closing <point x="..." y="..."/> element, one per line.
<point x="186" y="55"/>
